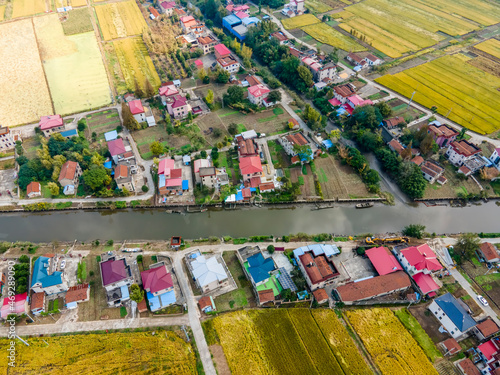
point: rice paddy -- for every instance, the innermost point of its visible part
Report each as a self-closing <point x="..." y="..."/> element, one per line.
<point x="328" y="35"/>
<point x="25" y="8"/>
<point x="300" y="21"/>
<point x="118" y="20"/>
<point x="491" y="47"/>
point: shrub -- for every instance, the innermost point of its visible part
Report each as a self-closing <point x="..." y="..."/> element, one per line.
<point x="145" y="188"/>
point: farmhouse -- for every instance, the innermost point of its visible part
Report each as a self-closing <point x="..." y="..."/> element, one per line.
<point x="258" y="269"/>
<point x="166" y="92"/>
<point x="257" y="95"/>
<point x="190" y="25"/>
<point x="451" y="315"/>
<point x="123" y="177"/>
<point x="279" y="36"/>
<point x="489" y="353"/>
<point x="207" y="304"/>
<point x="77" y="294"/>
<point x="197" y="165"/>
<point x="7" y="140"/>
<point x="417" y="259"/>
<point x="117" y="150"/>
<point x="250" y="167"/>
<point x="246" y="147"/>
<point x="320" y="296"/>
<point x="343" y="92"/>
<point x="207" y="43"/>
<point x="70" y="176"/>
<point x="208" y="273"/>
<point x="450" y="346"/>
<point x="357" y="101"/>
<point x="46" y="279"/>
<point x="265" y="296"/>
<point x="467" y="367"/>
<point x="51" y="124"/>
<point x="374" y="287"/>
<point x="431" y="171"/>
<point x="293" y="8"/>
<point x="357" y="60"/>
<point x="167" y="7"/>
<point x="178" y="106"/>
<point x="153" y="13"/>
<point x="37" y="305"/>
<point x="116" y="278"/>
<point x="34" y="189"/>
<point x="319" y="71"/>
<point x="443" y="135"/>
<point x="137" y="110"/>
<point x="396" y="146"/>
<point x="294" y="142"/>
<point x="486" y="329"/>
<point x="316" y="264"/>
<point x="228" y="62"/>
<point x="159" y="287"/>
<point x="393" y="122"/>
<point x="383" y="260"/>
<point x="460" y="151"/>
<point x="488" y="253"/>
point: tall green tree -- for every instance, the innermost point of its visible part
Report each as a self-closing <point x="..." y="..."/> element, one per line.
<point x="467" y="244"/>
<point x="128" y="119"/>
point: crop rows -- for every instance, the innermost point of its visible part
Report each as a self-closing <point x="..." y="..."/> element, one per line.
<point x="491" y="46"/>
<point x="328" y="35"/>
<point x="300" y="21"/>
<point x="391" y="346"/>
<point x="118" y="20"/>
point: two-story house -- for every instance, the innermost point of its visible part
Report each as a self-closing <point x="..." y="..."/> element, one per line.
<point x="225" y="60"/>
<point x="116" y="278"/>
<point x="123" y="177"/>
<point x="431" y="171"/>
<point x="7" y="140"/>
<point x="250" y="167"/>
<point x="167" y="7"/>
<point x="316" y="266"/>
<point x="46" y="279"/>
<point x="246" y="147"/>
<point x="51" y="124"/>
<point x="343" y="92"/>
<point x="257" y="94"/>
<point x="191" y="25"/>
<point x="117" y="149"/>
<point x="320" y="71"/>
<point x="137" y="110"/>
<point x="207" y="43"/>
<point x="461" y="151"/>
<point x="159" y="287"/>
<point x="166" y="92"/>
<point x="178" y="106"/>
<point x="290" y="143"/>
<point x="69" y="177"/>
<point x="451" y="315"/>
<point x="197" y="165"/>
<point x="443" y="135"/>
<point x="208" y="177"/>
<point x="208" y="273"/>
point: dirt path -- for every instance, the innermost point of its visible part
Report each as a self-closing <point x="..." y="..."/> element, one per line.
<point x="220" y="360"/>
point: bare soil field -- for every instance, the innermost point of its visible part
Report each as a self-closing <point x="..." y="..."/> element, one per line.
<point x="428" y="322"/>
<point x="207" y="124"/>
<point x="353" y="183"/>
<point x="220" y="359"/>
<point x="269" y="121"/>
<point x="329" y="178"/>
<point x="486" y="64"/>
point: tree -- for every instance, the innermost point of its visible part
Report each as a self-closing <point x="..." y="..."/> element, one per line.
<point x="235" y="94"/>
<point x="136" y="294"/>
<point x="222" y="75"/>
<point x="145" y="188"/>
<point x="270" y="249"/>
<point x="414" y="230"/>
<point x="156" y="148"/>
<point x="96" y="177"/>
<point x="427" y="145"/>
<point x="139" y="258"/>
<point x="25" y="176"/>
<point x="370" y="141"/>
<point x="53" y="188"/>
<point x="150" y="91"/>
<point x="202" y="73"/>
<point x="411" y="180"/>
<point x="217" y="132"/>
<point x="206" y="80"/>
<point x="81" y="125"/>
<point x="209" y="99"/>
<point x="274" y="96"/>
<point x="138" y="90"/>
<point x="406" y="153"/>
<point x="467" y="245"/>
<point x="233" y="129"/>
<point x="384" y="108"/>
<point x="128" y="119"/>
<point x="215" y="153"/>
<point x="203" y="154"/>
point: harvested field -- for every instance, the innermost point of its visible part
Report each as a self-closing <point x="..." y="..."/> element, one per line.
<point x="2" y="12"/>
<point x="317" y="6"/>
<point x="137" y="352"/>
<point x="300" y="21"/>
<point x="491" y="46"/>
<point x="135" y="65"/>
<point x="468" y="95"/>
<point x="21" y="72"/>
<point x="306" y="181"/>
<point x="208" y="124"/>
<point x="73" y="66"/>
<point x="25" y="8"/>
<point x="328" y="35"/>
<point x="78" y="3"/>
<point x="118" y="20"/>
<point x="488" y="65"/>
<point x="269" y="121"/>
<point x="77" y="22"/>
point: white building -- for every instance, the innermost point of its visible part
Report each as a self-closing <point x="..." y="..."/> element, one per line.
<point x="451" y="315"/>
<point x="257" y="94"/>
<point x="461" y="151"/>
<point x="7" y="140"/>
<point x="137" y="110"/>
<point x="319" y="71"/>
<point x="416" y="259"/>
<point x="46" y="278"/>
<point x="208" y="273"/>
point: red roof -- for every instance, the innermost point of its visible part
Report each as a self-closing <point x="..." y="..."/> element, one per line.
<point x="383" y="261"/>
<point x="425" y="282"/>
<point x="241" y="15"/>
<point x="268" y="186"/>
<point x="250" y="165"/>
<point x="68" y="170"/>
<point x="320" y="295"/>
<point x="468" y="368"/>
<point x="37" y="300"/>
<point x="465" y="148"/>
<point x="198" y="62"/>
<point x="77" y="293"/>
<point x="173" y="182"/>
<point x="168" y="4"/>
<point x="179" y="101"/>
<point x="142" y="306"/>
<point x="116" y="147"/>
<point x="418" y="160"/>
<point x="205" y="302"/>
<point x="154" y="12"/>
<point x="33" y="187"/>
<point x="222" y="50"/>
<point x="241" y="7"/>
<point x="422" y="257"/>
<point x="255" y="182"/>
<point x="297" y="139"/>
<point x="452" y="346"/>
<point x="166" y="165"/>
<point x="246" y="192"/>
<point x="488" y="349"/>
<point x="136" y="107"/>
<point x="168" y="90"/>
<point x="334" y="102"/>
<point x="113" y="271"/>
<point x="156" y="279"/>
<point x="258" y="90"/>
<point x="49" y="122"/>
<point x="488" y="327"/>
<point x="348" y="108"/>
<point x="489" y="251"/>
<point x="266" y="295"/>
<point x="121" y="171"/>
<point x="176" y="173"/>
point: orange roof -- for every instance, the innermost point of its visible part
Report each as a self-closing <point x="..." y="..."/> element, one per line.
<point x="205" y="302"/>
<point x="297" y="139"/>
<point x="320" y="295"/>
<point x="344" y="90"/>
<point x="489" y="251"/>
<point x="206" y="39"/>
<point x="37" y="300"/>
<point x="488" y="327"/>
<point x="465" y="148"/>
<point x="154" y="12"/>
<point x="68" y="170"/>
<point x="443" y="131"/>
<point x="121" y="171"/>
<point x="452" y="346"/>
<point x="33" y="187"/>
<point x="142" y="306"/>
<point x="468" y="368"/>
<point x="250" y="165"/>
<point x="77" y="293"/>
<point x="418" y="160"/>
<point x="266" y="295"/>
<point x="394" y="121"/>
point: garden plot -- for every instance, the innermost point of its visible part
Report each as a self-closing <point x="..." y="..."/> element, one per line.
<point x="21" y="72"/>
<point x="77" y="21"/>
<point x="118" y="20"/>
<point x="269" y="121"/>
<point x="25" y="8"/>
<point x="73" y="66"/>
<point x="208" y="125"/>
<point x="102" y="122"/>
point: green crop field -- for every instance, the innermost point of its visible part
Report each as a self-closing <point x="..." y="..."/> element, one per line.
<point x="300" y="21"/>
<point x="463" y="93"/>
<point x="328" y="35"/>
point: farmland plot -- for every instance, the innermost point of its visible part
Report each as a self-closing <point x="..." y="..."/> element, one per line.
<point x="22" y="71"/>
<point x="328" y="35"/>
<point x="466" y="94"/>
<point x="390" y="345"/>
<point x="2" y="12"/>
<point x="24" y="8"/>
<point x="118" y="20"/>
<point x="138" y="353"/>
<point x="78" y="22"/>
<point x="78" y="3"/>
<point x="300" y="21"/>
<point x="135" y="64"/>
<point x="73" y="66"/>
<point x="491" y="47"/>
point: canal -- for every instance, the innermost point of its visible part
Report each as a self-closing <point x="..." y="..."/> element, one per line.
<point x="158" y="225"/>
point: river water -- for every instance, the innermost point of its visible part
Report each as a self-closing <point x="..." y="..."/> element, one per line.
<point x="158" y="225"/>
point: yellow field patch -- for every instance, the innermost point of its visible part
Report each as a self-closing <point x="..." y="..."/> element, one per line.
<point x="2" y="12"/>
<point x="317" y="6"/>
<point x="135" y="64"/>
<point x="491" y="46"/>
<point x="118" y="20"/>
<point x="78" y="3"/>
<point x="328" y="35"/>
<point x="24" y="8"/>
<point x="299" y="21"/>
<point x="24" y="90"/>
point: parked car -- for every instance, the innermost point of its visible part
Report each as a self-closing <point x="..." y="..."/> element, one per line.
<point x="482" y="300"/>
<point x="63" y="263"/>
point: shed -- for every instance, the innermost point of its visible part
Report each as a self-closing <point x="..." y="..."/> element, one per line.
<point x="111" y="136"/>
<point x="185" y="184"/>
<point x="186" y="159"/>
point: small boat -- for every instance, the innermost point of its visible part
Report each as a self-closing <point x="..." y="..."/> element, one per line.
<point x="364" y="205"/>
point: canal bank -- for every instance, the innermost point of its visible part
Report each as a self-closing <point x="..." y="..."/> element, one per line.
<point x="156" y="224"/>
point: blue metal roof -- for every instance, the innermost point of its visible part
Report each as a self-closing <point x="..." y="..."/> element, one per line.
<point x="108" y="165"/>
<point x="40" y="274"/>
<point x="327" y="143"/>
<point x="185" y="184"/>
<point x="162" y="300"/>
<point x="239" y="196"/>
<point x="250" y="20"/>
<point x="259" y="267"/>
<point x="455" y="312"/>
<point x="69" y="133"/>
<point x="110" y="136"/>
<point x="161" y="180"/>
<point x="232" y="19"/>
<point x="125" y="292"/>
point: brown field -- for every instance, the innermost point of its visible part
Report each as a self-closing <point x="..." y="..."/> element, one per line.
<point x="207" y="124"/>
<point x="486" y="64"/>
<point x="22" y="80"/>
<point x="307" y="189"/>
<point x="118" y="20"/>
<point x="7" y="164"/>
<point x="262" y="122"/>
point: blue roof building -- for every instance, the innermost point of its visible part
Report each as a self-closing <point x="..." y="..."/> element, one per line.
<point x="250" y="21"/>
<point x="44" y="280"/>
<point x="111" y="136"/>
<point x="230" y="21"/>
<point x="452" y="315"/>
<point x="185" y="184"/>
<point x="259" y="268"/>
<point x="161" y="301"/>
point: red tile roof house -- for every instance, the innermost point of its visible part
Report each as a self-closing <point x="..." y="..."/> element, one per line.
<point x="51" y="124"/>
<point x="37" y="305"/>
<point x="34" y="189"/>
<point x="320" y="71"/>
<point x="70" y="174"/>
<point x="247" y="148"/>
<point x="116" y="278"/>
<point x="257" y="94"/>
<point x="207" y="43"/>
<point x="157" y="282"/>
<point x="154" y="12"/>
<point x="167" y="92"/>
<point x="490" y="354"/>
<point x="76" y="294"/>
<point x="279" y="36"/>
<point x="377" y="286"/>
<point x="189" y="24"/>
<point x="343" y="92"/>
<point x="207" y="304"/>
<point x="450" y="346"/>
<point x="467" y="367"/>
<point x="393" y="122"/>
<point x="291" y="140"/>
<point x="431" y="171"/>
<point x="321" y="296"/>
<point x="317" y="270"/>
<point x="460" y="151"/>
<point x="225" y="60"/>
<point x="489" y="253"/>
<point x="356" y="59"/>
<point x="383" y="260"/>
<point x="395" y="145"/>
<point x="486" y="329"/>
<point x="250" y="167"/>
<point x="123" y="177"/>
<point x="357" y="101"/>
<point x="167" y="7"/>
<point x="266" y="296"/>
<point x="178" y="106"/>
<point x="137" y="110"/>
<point x="117" y="150"/>
<point x="442" y="134"/>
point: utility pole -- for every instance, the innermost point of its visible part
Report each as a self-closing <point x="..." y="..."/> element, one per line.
<point x="449" y="112"/>
<point x="411" y="99"/>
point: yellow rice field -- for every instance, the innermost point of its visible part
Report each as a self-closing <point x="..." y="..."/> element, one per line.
<point x="135" y="64"/>
<point x="2" y="12"/>
<point x="491" y="46"/>
<point x="317" y="6"/>
<point x="121" y="353"/>
<point x="78" y="3"/>
<point x="299" y="21"/>
<point x="396" y="27"/>
<point x="73" y="66"/>
<point x="328" y="35"/>
<point x="117" y="20"/>
<point x="24" y="8"/>
<point x="464" y="93"/>
<point x="24" y="89"/>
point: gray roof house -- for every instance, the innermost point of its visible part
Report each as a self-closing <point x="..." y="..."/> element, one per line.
<point x="452" y="315"/>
